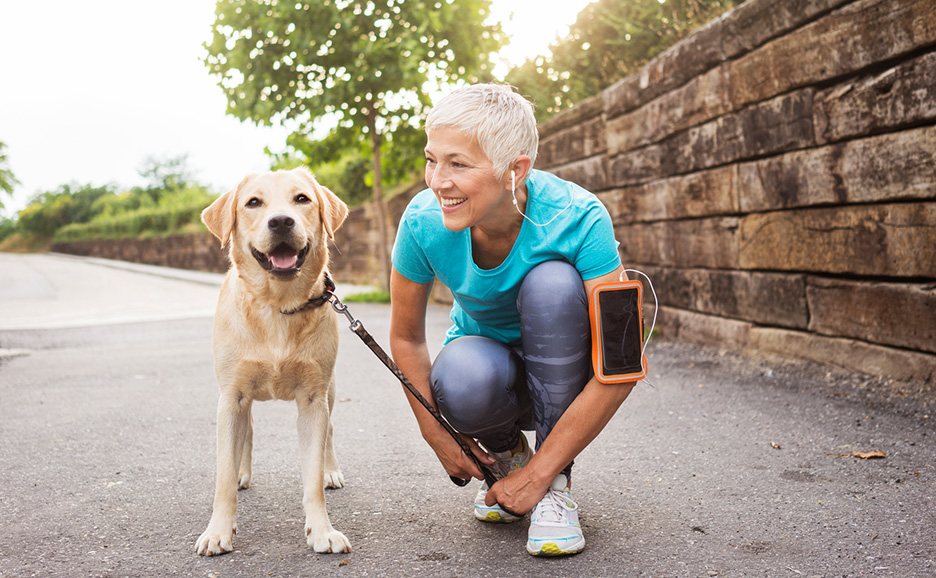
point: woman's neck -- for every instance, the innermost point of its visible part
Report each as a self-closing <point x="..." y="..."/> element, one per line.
<point x="492" y="243"/>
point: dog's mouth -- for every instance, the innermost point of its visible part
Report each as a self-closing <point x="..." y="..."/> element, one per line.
<point x="283" y="261"/>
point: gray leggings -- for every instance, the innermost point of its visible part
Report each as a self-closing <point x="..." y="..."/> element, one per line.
<point x="490" y="391"/>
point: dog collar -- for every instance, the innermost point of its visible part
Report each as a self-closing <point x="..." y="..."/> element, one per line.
<point x="315" y="301"/>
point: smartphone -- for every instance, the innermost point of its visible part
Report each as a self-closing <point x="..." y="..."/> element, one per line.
<point x="617" y="332"/>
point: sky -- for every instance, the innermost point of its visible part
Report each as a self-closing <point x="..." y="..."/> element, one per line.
<point x="90" y="89"/>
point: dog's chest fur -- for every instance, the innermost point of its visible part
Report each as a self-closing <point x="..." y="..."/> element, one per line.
<point x="281" y="356"/>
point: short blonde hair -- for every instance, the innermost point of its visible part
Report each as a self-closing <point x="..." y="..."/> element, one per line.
<point x="500" y="120"/>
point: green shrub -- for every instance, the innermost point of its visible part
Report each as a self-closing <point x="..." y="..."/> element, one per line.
<point x="144" y="222"/>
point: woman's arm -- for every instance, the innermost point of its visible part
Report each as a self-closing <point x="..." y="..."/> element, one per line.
<point x="408" y="347"/>
<point x="579" y="425"/>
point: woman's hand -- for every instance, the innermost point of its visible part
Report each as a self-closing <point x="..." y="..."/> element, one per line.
<point x="519" y="491"/>
<point x="453" y="459"/>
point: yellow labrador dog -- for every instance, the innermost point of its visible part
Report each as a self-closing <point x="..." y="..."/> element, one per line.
<point x="274" y="339"/>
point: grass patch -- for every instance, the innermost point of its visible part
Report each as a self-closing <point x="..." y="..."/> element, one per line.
<point x="368" y="297"/>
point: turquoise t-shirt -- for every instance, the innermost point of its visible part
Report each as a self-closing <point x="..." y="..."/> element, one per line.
<point x="486" y="299"/>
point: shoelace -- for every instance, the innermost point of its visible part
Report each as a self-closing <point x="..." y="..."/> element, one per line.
<point x="552" y="507"/>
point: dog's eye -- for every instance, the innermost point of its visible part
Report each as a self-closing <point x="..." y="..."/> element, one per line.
<point x="254" y="203"/>
<point x="302" y="199"/>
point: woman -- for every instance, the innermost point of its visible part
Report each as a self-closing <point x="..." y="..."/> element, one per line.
<point x="520" y="250"/>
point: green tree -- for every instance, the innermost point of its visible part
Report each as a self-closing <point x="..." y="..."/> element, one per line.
<point x="366" y="66"/>
<point x="7" y="180"/>
<point x="166" y="173"/>
<point x="611" y="39"/>
<point x="7" y="228"/>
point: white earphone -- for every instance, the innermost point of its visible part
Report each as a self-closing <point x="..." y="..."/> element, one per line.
<point x="513" y="192"/>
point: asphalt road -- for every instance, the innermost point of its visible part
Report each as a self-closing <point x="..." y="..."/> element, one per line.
<point x="726" y="466"/>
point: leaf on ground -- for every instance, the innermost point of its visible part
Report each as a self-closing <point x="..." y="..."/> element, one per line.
<point x="869" y="455"/>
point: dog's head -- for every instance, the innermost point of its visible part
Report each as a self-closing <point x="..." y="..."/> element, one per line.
<point x="277" y="219"/>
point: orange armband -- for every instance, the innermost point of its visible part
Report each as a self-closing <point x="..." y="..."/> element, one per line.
<point x="617" y="332"/>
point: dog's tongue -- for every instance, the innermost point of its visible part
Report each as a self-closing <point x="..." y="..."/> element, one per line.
<point x="284" y="260"/>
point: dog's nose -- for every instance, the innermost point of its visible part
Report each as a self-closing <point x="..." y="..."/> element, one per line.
<point x="281" y="223"/>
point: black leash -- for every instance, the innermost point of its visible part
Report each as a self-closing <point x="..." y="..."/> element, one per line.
<point x="358" y="328"/>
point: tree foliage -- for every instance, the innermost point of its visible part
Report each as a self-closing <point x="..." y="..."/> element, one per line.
<point x="364" y="66"/>
<point x="51" y="210"/>
<point x="365" y="63"/>
<point x="611" y="39"/>
<point x="7" y="180"/>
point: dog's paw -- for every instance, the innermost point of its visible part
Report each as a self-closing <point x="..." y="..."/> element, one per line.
<point x="243" y="481"/>
<point x="213" y="543"/>
<point x="328" y="541"/>
<point x="334" y="479"/>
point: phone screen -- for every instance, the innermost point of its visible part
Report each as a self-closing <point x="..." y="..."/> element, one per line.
<point x="621" y="333"/>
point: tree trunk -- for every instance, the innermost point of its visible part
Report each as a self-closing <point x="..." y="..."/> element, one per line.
<point x="380" y="212"/>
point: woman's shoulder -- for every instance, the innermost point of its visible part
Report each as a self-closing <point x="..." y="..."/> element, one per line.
<point x="555" y="193"/>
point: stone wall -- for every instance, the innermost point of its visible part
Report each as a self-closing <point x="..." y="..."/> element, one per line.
<point x="201" y="252"/>
<point x="775" y="175"/>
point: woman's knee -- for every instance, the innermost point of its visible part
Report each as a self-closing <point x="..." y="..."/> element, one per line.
<point x="552" y="284"/>
<point x="474" y="380"/>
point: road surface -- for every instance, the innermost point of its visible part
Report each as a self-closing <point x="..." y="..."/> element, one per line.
<point x="726" y="466"/>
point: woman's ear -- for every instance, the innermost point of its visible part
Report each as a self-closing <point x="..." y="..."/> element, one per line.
<point x="521" y="168"/>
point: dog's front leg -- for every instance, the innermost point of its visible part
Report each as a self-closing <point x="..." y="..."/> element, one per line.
<point x="333" y="476"/>
<point x="244" y="472"/>
<point x="233" y="421"/>
<point x="313" y="425"/>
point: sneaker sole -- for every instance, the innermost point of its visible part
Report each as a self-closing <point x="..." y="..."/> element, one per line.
<point x="552" y="549"/>
<point x="494" y="517"/>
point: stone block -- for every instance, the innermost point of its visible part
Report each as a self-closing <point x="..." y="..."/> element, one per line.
<point x="904" y="95"/>
<point x="896" y="314"/>
<point x="776" y="299"/>
<point x="778" y="125"/>
<point x="891" y="240"/>
<point x="897" y="166"/>
<point x="574" y="143"/>
<point x="796" y="179"/>
<point x="755" y="22"/>
<point x="703" y="194"/>
<point x="590" y="173"/>
<point x="842" y="42"/>
<point x="710" y="243"/>
<point x="701" y="99"/>
<point x="708" y="330"/>
<point x="912" y="368"/>
<point x="623" y="96"/>
<point x="635" y="167"/>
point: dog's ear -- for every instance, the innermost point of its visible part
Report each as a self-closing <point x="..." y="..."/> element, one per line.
<point x="220" y="215"/>
<point x="332" y="210"/>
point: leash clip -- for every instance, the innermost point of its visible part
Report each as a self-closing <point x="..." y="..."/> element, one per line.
<point x="341" y="308"/>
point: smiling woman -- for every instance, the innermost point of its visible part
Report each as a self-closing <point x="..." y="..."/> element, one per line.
<point x="518" y="355"/>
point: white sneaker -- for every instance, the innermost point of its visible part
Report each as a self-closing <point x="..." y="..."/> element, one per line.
<point x="554" y="524"/>
<point x="506" y="462"/>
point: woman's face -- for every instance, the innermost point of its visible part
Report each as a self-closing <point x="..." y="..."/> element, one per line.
<point x="462" y="178"/>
